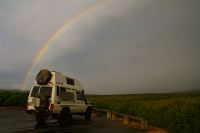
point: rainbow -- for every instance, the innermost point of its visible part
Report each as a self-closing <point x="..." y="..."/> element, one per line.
<point x="56" y="34"/>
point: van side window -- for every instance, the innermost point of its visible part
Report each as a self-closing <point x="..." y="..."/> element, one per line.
<point x="62" y="89"/>
<point x="70" y="81"/>
<point x="70" y="96"/>
<point x="57" y="92"/>
<point x="79" y="96"/>
<point x="65" y="95"/>
<point x="62" y="93"/>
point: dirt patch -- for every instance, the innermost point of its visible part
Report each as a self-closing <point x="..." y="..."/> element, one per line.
<point x="156" y="130"/>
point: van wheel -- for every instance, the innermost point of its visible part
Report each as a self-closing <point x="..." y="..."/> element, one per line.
<point x="88" y="114"/>
<point x="70" y="117"/>
<point x="41" y="117"/>
<point x="64" y="117"/>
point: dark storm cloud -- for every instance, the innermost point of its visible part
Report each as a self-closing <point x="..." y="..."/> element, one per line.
<point x="153" y="50"/>
<point x="131" y="47"/>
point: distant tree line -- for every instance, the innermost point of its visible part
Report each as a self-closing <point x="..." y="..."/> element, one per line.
<point x="9" y="98"/>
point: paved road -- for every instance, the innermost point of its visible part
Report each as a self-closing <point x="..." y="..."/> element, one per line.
<point x="17" y="121"/>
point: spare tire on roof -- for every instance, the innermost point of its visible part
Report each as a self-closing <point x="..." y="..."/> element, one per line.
<point x="43" y="77"/>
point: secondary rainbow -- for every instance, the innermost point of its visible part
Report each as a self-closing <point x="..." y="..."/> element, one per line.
<point x="54" y="35"/>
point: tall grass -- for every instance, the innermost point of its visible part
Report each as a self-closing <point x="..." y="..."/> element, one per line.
<point x="178" y="113"/>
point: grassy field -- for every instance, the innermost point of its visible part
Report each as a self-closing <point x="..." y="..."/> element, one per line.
<point x="176" y="112"/>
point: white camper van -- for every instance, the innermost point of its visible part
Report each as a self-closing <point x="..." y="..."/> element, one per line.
<point x="57" y="96"/>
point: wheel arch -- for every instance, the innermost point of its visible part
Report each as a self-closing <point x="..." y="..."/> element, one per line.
<point x="89" y="107"/>
<point x="66" y="109"/>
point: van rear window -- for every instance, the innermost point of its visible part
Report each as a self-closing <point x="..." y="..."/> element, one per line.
<point x="46" y="91"/>
<point x="35" y="90"/>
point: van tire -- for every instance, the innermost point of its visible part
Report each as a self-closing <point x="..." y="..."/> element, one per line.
<point x="41" y="117"/>
<point x="43" y="77"/>
<point x="64" y="117"/>
<point x="88" y="114"/>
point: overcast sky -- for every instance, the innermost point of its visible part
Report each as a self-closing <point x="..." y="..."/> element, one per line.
<point x="123" y="46"/>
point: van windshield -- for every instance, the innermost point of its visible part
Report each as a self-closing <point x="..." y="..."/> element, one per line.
<point x="40" y="90"/>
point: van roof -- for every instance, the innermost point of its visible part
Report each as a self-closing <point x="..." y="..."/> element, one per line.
<point x="66" y="81"/>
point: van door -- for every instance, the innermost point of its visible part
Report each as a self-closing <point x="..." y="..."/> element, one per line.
<point x="80" y="101"/>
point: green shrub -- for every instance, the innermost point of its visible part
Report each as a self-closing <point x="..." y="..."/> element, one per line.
<point x="3" y="97"/>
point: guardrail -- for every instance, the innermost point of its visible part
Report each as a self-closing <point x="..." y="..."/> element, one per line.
<point x="128" y="120"/>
